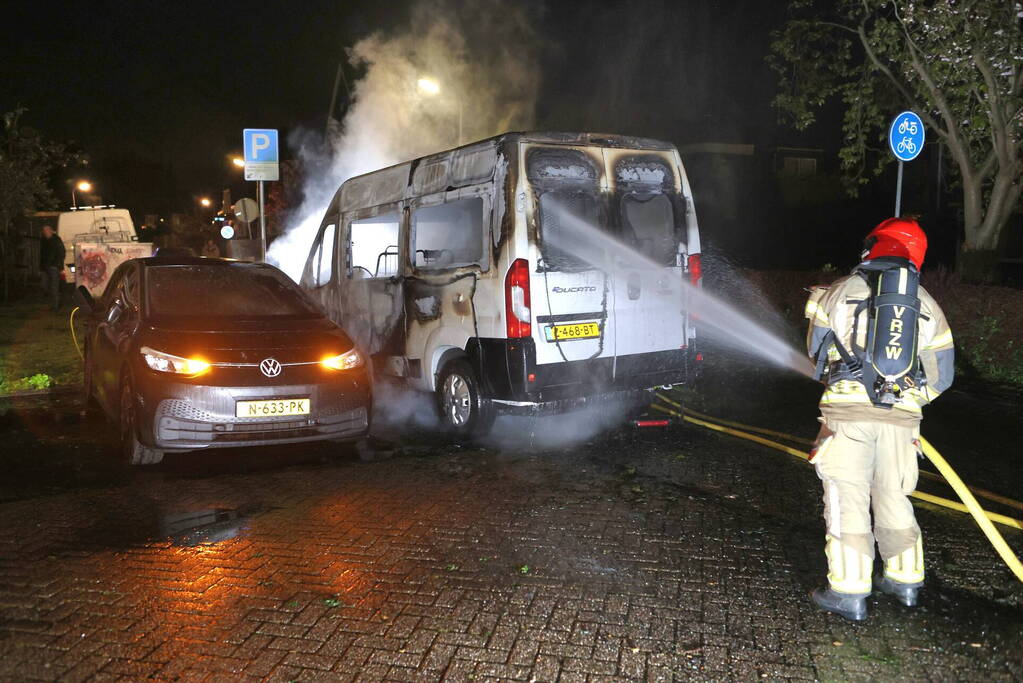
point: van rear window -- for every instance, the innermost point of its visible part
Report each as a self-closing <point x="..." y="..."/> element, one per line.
<point x="566" y="218"/>
<point x="583" y="227"/>
<point x="648" y="225"/>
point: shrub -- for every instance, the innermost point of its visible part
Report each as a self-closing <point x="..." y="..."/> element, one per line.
<point x="36" y="382"/>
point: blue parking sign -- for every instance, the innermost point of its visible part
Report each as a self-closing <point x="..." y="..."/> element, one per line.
<point x="906" y="136"/>
<point x="261" y="153"/>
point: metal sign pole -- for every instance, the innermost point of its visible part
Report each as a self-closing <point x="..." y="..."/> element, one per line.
<point x="898" y="192"/>
<point x="262" y="215"/>
<point x="906" y="137"/>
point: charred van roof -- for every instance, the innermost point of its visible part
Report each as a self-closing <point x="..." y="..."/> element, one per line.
<point x="551" y="137"/>
<point x="392" y="183"/>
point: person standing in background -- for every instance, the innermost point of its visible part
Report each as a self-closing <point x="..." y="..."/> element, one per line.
<point x="51" y="263"/>
<point x="210" y="248"/>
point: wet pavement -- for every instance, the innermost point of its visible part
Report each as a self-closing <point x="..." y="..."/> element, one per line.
<point x="658" y="554"/>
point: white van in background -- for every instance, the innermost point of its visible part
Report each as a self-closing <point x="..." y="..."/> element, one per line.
<point x="92" y="224"/>
<point x="97" y="239"/>
<point x="529" y="272"/>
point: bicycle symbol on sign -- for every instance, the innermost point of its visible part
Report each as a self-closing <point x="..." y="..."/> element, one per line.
<point x="907" y="125"/>
<point x="906" y="144"/>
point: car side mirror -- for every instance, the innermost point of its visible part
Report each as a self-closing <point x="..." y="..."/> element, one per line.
<point x="84" y="299"/>
<point x="115" y="312"/>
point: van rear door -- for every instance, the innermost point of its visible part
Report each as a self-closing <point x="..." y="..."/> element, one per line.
<point x="571" y="288"/>
<point x="649" y="214"/>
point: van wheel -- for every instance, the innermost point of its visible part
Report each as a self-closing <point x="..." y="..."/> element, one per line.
<point x="464" y="411"/>
<point x="132" y="450"/>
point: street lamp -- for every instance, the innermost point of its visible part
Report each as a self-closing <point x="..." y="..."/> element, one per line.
<point x="81" y="186"/>
<point x="431" y="87"/>
<point x="205" y="202"/>
<point x="238" y="161"/>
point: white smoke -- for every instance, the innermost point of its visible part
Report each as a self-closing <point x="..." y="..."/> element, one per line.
<point x="483" y="57"/>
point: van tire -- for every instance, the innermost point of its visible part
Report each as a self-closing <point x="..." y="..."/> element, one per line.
<point x="463" y="409"/>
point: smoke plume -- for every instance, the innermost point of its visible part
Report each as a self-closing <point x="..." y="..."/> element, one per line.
<point x="480" y="57"/>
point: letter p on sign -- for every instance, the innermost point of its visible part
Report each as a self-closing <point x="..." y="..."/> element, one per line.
<point x="260" y="141"/>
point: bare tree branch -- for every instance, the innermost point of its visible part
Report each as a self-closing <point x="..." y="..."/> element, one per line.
<point x="833" y="24"/>
<point x="883" y="68"/>
<point x="986" y="168"/>
<point x="998" y="128"/>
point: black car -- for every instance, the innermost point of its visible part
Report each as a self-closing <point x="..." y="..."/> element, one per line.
<point x="190" y="353"/>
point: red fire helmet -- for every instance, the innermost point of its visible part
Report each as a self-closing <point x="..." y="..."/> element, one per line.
<point x="900" y="237"/>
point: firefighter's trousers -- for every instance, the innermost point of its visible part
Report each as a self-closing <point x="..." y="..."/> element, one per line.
<point x="864" y="466"/>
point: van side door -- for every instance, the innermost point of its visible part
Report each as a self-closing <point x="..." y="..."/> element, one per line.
<point x="320" y="277"/>
<point x="449" y="248"/>
<point x="370" y="305"/>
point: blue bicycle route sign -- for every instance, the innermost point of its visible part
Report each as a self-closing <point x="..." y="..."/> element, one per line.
<point x="906" y="136"/>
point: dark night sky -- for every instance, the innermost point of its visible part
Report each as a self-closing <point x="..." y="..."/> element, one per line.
<point x="157" y="93"/>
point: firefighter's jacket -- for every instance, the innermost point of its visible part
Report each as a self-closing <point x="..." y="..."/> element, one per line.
<point x="847" y="399"/>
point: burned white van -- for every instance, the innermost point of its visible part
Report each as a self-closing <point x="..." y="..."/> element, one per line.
<point x="529" y="272"/>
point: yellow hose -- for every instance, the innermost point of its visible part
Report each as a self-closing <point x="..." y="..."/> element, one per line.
<point x="937" y="500"/>
<point x="983" y="493"/>
<point x="758" y="430"/>
<point x="980" y="515"/>
<point x="750" y="437"/>
<point x="977" y="491"/>
<point x="74" y="337"/>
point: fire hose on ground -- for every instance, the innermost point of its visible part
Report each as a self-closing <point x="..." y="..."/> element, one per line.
<point x="982" y="517"/>
<point x="74" y="337"/>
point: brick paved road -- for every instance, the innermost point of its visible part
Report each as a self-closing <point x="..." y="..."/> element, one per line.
<point x="657" y="556"/>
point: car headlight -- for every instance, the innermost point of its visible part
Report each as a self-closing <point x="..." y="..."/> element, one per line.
<point x="345" y="361"/>
<point x="165" y="362"/>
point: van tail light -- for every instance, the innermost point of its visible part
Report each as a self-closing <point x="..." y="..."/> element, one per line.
<point x="695" y="268"/>
<point x="516" y="300"/>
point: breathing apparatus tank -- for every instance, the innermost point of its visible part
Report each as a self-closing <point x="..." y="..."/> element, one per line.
<point x="888" y="364"/>
<point x="891" y="364"/>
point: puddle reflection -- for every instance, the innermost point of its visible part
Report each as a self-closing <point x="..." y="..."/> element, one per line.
<point x="205" y="527"/>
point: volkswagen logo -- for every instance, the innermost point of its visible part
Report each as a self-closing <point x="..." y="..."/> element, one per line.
<point x="270" y="367"/>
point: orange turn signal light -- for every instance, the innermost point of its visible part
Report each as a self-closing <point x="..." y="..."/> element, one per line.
<point x="344" y="361"/>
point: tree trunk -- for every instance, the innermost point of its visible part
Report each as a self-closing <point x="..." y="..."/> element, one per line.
<point x="978" y="266"/>
<point x="984" y="228"/>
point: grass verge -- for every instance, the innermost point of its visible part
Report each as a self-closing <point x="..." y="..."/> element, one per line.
<point x="36" y="351"/>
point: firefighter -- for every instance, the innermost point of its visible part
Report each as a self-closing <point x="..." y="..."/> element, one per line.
<point x="867" y="449"/>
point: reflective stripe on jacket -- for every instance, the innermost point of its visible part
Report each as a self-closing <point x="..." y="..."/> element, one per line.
<point x="848" y="399"/>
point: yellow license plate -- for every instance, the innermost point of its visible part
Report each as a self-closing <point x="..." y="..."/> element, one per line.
<point x="285" y="406"/>
<point x="573" y="331"/>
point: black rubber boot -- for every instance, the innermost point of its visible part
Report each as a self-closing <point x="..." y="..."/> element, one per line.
<point x="852" y="606"/>
<point x="906" y="593"/>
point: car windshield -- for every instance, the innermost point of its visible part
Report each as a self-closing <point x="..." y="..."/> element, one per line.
<point x="234" y="292"/>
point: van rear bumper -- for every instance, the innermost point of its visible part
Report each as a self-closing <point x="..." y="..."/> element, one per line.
<point x="505" y="367"/>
